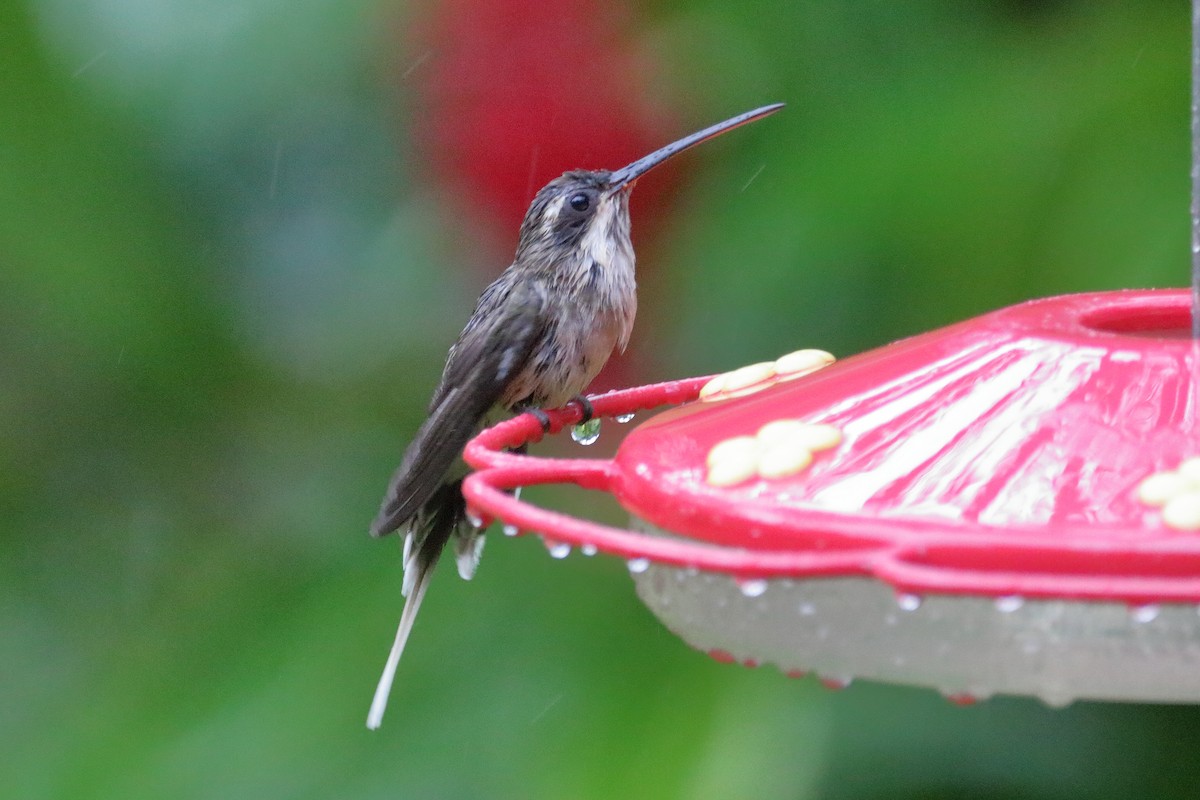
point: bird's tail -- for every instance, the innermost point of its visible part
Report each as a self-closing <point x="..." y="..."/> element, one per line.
<point x="442" y="515"/>
<point x="418" y="481"/>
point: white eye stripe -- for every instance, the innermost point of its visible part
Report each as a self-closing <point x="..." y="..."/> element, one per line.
<point x="550" y="215"/>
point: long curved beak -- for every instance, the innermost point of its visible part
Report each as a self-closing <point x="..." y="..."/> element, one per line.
<point x="624" y="177"/>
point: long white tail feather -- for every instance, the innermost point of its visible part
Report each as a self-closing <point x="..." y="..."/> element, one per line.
<point x="407" y="617"/>
<point x="412" y="572"/>
<point x="408" y="545"/>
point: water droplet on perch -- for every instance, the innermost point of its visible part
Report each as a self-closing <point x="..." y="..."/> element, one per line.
<point x="586" y="433"/>
<point x="558" y="549"/>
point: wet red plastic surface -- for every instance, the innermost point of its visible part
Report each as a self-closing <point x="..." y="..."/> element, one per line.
<point x="997" y="456"/>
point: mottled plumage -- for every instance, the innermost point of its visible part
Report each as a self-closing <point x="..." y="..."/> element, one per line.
<point x="539" y="335"/>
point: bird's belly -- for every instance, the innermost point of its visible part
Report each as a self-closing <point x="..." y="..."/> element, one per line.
<point x="565" y="365"/>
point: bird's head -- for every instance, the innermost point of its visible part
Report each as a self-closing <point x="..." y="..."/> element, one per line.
<point x="575" y="206"/>
<point x="586" y="214"/>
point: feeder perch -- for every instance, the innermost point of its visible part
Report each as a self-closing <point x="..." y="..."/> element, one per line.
<point x="1006" y="505"/>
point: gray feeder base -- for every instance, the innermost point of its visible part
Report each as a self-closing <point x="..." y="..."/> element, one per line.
<point x="965" y="647"/>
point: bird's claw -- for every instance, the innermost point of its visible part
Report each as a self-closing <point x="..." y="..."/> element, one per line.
<point x="586" y="410"/>
<point x="541" y="416"/>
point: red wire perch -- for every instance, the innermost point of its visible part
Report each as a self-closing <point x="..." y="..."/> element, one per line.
<point x="498" y="471"/>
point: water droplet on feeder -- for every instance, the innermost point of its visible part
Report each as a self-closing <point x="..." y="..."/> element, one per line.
<point x="511" y="530"/>
<point x="624" y="418"/>
<point x="586" y="433"/>
<point x="557" y="549"/>
<point x="588" y="549"/>
<point x="807" y="609"/>
<point x="473" y="518"/>
<point x="960" y="698"/>
<point x="1146" y="613"/>
<point x="908" y="602"/>
<point x="753" y="588"/>
<point x="1058" y="697"/>
<point x="637" y="565"/>
<point x="1009" y="603"/>
<point x="721" y="656"/>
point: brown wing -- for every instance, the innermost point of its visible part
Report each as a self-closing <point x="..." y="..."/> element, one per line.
<point x="493" y="348"/>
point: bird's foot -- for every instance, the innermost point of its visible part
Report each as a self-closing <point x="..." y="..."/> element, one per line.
<point x="586" y="411"/>
<point x="541" y="416"/>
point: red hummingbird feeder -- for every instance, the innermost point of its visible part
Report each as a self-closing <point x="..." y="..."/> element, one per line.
<point x="1007" y="505"/>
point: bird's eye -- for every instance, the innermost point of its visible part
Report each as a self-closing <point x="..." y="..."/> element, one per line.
<point x="580" y="202"/>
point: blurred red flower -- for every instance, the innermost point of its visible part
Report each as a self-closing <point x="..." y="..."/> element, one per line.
<point x="509" y="94"/>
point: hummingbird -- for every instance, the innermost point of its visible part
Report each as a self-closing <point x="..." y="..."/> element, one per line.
<point x="539" y="334"/>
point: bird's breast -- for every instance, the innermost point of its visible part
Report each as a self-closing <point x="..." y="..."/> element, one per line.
<point x="587" y="322"/>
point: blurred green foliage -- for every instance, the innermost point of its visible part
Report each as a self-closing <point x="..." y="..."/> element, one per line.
<point x="224" y="298"/>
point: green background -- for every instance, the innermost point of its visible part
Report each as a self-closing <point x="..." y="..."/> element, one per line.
<point x="224" y="297"/>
